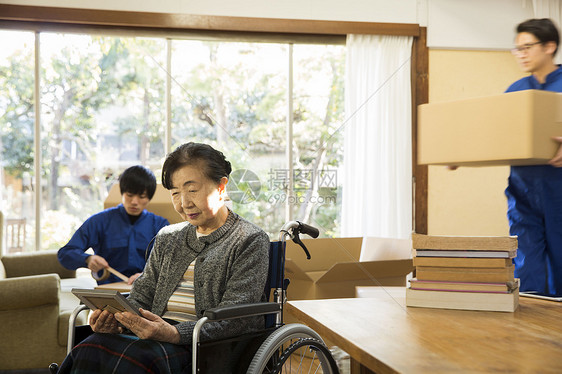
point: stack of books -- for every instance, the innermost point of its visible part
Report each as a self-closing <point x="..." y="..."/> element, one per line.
<point x="462" y="272"/>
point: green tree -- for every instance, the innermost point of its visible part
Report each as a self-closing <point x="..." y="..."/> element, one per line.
<point x="318" y="140"/>
<point x="240" y="107"/>
<point x="142" y="80"/>
<point x="231" y="100"/>
<point x="245" y="110"/>
<point x="16" y="114"/>
<point x="82" y="82"/>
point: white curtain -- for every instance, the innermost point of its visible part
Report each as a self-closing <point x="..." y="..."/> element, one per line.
<point x="377" y="175"/>
<point x="550" y="9"/>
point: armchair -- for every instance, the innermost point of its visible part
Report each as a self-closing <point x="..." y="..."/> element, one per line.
<point x="34" y="313"/>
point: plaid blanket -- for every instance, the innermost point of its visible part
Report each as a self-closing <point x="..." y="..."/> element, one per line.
<point x="108" y="353"/>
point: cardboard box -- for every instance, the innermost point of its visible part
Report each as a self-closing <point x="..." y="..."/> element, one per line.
<point x="334" y="269"/>
<point x="507" y="129"/>
<point x="161" y="203"/>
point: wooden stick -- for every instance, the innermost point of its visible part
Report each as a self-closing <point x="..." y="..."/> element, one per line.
<point x="117" y="274"/>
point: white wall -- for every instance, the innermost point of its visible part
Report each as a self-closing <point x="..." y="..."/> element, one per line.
<point x="456" y="24"/>
<point x="475" y="24"/>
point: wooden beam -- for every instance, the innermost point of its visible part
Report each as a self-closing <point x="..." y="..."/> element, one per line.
<point x="112" y="18"/>
<point x="420" y="93"/>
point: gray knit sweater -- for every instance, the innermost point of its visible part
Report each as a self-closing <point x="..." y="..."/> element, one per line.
<point x="231" y="268"/>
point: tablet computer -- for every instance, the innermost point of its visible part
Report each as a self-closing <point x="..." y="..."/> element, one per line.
<point x="110" y="300"/>
<point x="542" y="296"/>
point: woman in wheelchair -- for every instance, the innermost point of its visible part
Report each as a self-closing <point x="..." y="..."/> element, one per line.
<point x="215" y="258"/>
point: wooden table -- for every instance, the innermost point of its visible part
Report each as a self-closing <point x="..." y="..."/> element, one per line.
<point x="384" y="336"/>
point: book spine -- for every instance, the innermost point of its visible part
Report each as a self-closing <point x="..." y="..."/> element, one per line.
<point x="462" y="253"/>
<point x="462" y="300"/>
<point x="487" y="243"/>
<point x="485" y="275"/>
<point x="462" y="286"/>
<point x="453" y="290"/>
<point x="462" y="262"/>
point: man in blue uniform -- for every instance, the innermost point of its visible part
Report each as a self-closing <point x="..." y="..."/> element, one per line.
<point x="534" y="193"/>
<point x="119" y="236"/>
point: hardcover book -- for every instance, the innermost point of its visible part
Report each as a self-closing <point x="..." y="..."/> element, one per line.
<point x="463" y="262"/>
<point x="497" y="302"/>
<point x="506" y="287"/>
<point x="466" y="243"/>
<point x="461" y="253"/>
<point x="487" y="275"/>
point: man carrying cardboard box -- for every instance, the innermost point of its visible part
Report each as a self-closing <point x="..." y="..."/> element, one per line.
<point x="119" y="235"/>
<point x="534" y="193"/>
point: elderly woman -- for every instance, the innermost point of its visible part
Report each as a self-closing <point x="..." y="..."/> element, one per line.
<point x="213" y="259"/>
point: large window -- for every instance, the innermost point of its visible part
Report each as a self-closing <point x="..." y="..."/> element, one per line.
<point x="101" y="101"/>
<point x="104" y="106"/>
<point x="235" y="96"/>
<point x="318" y="136"/>
<point x="17" y="131"/>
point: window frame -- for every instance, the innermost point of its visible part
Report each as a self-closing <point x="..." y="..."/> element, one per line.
<point x="179" y="26"/>
<point x="44" y="17"/>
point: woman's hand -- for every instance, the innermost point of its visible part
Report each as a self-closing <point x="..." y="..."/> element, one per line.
<point x="104" y="322"/>
<point x="556" y="161"/>
<point x="150" y="327"/>
<point x="133" y="277"/>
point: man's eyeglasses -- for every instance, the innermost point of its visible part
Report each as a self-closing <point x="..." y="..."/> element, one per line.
<point x="523" y="48"/>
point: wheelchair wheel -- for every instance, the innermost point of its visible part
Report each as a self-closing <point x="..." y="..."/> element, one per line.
<point x="293" y="348"/>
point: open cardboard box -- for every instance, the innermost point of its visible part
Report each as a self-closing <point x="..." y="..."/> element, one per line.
<point x="161" y="203"/>
<point x="335" y="269"/>
<point x="514" y="128"/>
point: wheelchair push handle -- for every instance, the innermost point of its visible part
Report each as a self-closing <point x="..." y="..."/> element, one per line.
<point x="294" y="228"/>
<point x="308" y="230"/>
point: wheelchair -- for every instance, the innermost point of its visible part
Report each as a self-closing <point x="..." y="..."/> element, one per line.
<point x="279" y="348"/>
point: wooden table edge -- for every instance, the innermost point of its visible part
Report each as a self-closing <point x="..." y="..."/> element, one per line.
<point x="368" y="361"/>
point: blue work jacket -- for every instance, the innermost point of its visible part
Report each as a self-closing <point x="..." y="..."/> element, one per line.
<point x="112" y="236"/>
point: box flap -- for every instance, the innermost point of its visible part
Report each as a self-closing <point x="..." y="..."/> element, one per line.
<point x="161" y="203"/>
<point x="293" y="271"/>
<point x="367" y="270"/>
<point x="378" y="249"/>
<point x="315" y="275"/>
<point x="324" y="252"/>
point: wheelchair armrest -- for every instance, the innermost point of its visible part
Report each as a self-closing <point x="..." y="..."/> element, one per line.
<point x="241" y="310"/>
